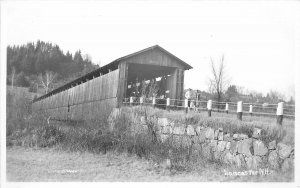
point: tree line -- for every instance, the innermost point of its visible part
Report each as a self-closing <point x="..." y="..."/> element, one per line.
<point x="33" y="65"/>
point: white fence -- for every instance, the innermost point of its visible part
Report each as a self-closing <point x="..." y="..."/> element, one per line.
<point x="278" y="110"/>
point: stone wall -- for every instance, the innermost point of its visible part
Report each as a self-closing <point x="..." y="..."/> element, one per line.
<point x="240" y="150"/>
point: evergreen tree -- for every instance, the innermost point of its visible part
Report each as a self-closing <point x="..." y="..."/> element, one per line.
<point x="32" y="59"/>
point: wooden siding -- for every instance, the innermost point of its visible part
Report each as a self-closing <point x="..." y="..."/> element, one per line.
<point x="89" y="100"/>
<point x="123" y="67"/>
<point x="155" y="57"/>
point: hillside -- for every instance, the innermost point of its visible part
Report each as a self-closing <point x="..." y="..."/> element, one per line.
<point x="28" y="63"/>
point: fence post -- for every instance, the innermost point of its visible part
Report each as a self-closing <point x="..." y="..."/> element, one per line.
<point x="153" y="102"/>
<point x="226" y="108"/>
<point x="250" y="109"/>
<point x="141" y="100"/>
<point x="168" y="104"/>
<point x="186" y="105"/>
<point x="130" y="101"/>
<point x="279" y="113"/>
<point x="209" y="107"/>
<point x="240" y="110"/>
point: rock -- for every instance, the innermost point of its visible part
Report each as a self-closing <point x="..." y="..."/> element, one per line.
<point x="143" y="120"/>
<point x="209" y="134"/>
<point x="259" y="148"/>
<point x="284" y="150"/>
<point x="244" y="147"/>
<point x="172" y="124"/>
<point x="190" y="130"/>
<point x="216" y="134"/>
<point x="166" y="130"/>
<point x="176" y="140"/>
<point x="157" y="128"/>
<point x="214" y="144"/>
<point x="198" y="130"/>
<point x="196" y="149"/>
<point x="202" y="136"/>
<point x="256" y="133"/>
<point x="235" y="136"/>
<point x="233" y="147"/>
<point x="181" y="141"/>
<point x="272" y="145"/>
<point x="162" y="122"/>
<point x="273" y="159"/>
<point x="195" y="140"/>
<point x="239" y="160"/>
<point x="264" y="159"/>
<point x="242" y="136"/>
<point x="288" y="164"/>
<point x="228" y="158"/>
<point x="166" y="164"/>
<point x="253" y="162"/>
<point x="220" y="136"/>
<point x="228" y="144"/>
<point x="227" y="137"/>
<point x="179" y="130"/>
<point x="163" y="137"/>
<point x="221" y="146"/>
<point x="185" y="141"/>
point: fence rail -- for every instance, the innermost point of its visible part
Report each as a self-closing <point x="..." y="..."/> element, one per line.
<point x="279" y="110"/>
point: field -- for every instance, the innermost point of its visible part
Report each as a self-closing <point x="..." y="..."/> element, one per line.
<point x="84" y="151"/>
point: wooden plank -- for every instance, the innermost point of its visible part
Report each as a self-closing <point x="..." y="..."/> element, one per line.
<point x="89" y="91"/>
<point x="155" y="57"/>
<point x="84" y="99"/>
<point x="97" y="88"/>
<point x="101" y="93"/>
<point x="80" y="100"/>
<point x="121" y="83"/>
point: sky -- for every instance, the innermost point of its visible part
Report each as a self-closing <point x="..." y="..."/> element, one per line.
<point x="258" y="39"/>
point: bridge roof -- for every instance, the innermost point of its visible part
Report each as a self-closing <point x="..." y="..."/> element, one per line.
<point x="113" y="65"/>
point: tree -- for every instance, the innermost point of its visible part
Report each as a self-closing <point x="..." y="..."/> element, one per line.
<point x="231" y="93"/>
<point x="34" y="59"/>
<point x="47" y="80"/>
<point x="39" y="63"/>
<point x="21" y="80"/>
<point x="218" y="82"/>
<point x="292" y="100"/>
<point x="13" y="72"/>
<point x="77" y="57"/>
<point x="275" y="96"/>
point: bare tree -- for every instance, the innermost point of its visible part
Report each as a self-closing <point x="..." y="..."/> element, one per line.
<point x="47" y="80"/>
<point x="218" y="82"/>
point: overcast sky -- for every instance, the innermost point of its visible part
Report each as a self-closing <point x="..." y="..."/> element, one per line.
<point x="257" y="38"/>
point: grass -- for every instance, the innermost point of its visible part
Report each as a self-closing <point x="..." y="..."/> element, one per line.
<point x="32" y="130"/>
<point x="30" y="165"/>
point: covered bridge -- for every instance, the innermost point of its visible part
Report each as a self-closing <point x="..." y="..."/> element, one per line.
<point x="95" y="94"/>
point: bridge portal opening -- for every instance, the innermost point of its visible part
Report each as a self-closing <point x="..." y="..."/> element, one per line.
<point x="150" y="81"/>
